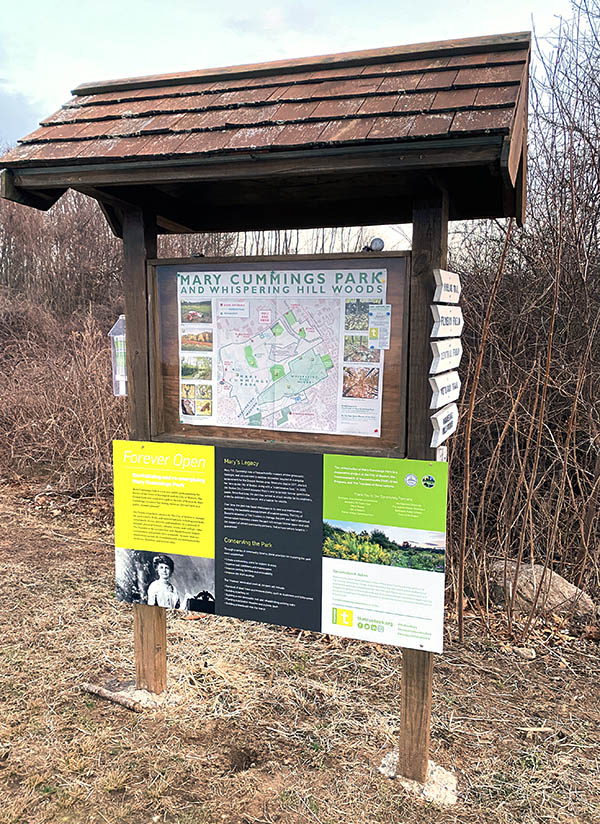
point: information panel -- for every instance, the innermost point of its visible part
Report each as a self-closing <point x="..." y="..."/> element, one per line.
<point x="348" y="545"/>
<point x="282" y="349"/>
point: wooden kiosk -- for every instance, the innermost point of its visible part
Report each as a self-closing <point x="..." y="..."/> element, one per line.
<point x="423" y="134"/>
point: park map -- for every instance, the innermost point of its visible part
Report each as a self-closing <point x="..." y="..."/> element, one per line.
<point x="297" y="361"/>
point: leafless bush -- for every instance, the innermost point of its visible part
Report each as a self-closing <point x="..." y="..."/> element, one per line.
<point x="57" y="412"/>
<point x="534" y="470"/>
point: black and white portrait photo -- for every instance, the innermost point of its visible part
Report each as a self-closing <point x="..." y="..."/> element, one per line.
<point x="165" y="580"/>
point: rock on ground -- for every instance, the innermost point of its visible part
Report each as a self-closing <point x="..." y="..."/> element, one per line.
<point x="557" y="594"/>
<point x="440" y="786"/>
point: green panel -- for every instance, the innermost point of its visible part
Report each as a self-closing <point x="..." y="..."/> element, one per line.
<point x="379" y="491"/>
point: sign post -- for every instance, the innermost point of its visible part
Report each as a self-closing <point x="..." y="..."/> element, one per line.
<point x="430" y="248"/>
<point x="139" y="244"/>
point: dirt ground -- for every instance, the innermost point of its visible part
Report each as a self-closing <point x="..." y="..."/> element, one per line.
<point x="262" y="724"/>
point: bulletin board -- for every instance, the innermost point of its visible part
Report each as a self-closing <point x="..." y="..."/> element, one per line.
<point x="296" y="352"/>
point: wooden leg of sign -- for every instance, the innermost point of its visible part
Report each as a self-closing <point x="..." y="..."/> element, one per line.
<point x="150" y="639"/>
<point x="429" y="252"/>
<point x="415" y="719"/>
<point x="139" y="244"/>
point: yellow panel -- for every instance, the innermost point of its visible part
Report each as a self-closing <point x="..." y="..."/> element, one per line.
<point x="165" y="497"/>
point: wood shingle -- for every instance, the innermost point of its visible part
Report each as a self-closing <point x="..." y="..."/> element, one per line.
<point x="393" y="98"/>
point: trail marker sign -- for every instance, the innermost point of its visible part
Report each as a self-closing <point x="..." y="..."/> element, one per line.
<point x="444" y="423"/>
<point x="447" y="321"/>
<point x="447" y="286"/>
<point x="446" y="353"/>
<point x="445" y="388"/>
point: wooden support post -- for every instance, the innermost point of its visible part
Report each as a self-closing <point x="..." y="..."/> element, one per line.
<point x="139" y="244"/>
<point x="429" y="252"/>
<point x="150" y="643"/>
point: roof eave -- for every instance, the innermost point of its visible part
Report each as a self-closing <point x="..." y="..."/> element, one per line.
<point x="422" y="160"/>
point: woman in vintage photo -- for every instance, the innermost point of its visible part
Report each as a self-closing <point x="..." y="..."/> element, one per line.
<point x="161" y="592"/>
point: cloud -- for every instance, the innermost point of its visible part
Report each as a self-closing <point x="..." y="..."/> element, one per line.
<point x="294" y="18"/>
<point x="18" y="116"/>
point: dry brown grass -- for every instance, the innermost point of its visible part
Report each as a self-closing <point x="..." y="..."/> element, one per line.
<point x="262" y="724"/>
<point x="57" y="411"/>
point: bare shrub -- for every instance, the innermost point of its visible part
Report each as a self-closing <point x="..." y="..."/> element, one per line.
<point x="57" y="412"/>
<point x="534" y="468"/>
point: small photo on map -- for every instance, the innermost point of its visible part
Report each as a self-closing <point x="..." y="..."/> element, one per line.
<point x="188" y="407"/>
<point x="203" y="391"/>
<point x="203" y="407"/>
<point x="197" y="341"/>
<point x="357" y="314"/>
<point x="194" y="368"/>
<point x="356" y="350"/>
<point x="188" y="391"/>
<point x="196" y="311"/>
<point x="361" y="382"/>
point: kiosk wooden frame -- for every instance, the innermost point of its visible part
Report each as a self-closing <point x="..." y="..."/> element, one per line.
<point x="163" y="411"/>
<point x="419" y="134"/>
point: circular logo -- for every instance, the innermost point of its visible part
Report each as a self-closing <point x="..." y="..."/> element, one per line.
<point x="428" y="481"/>
<point x="411" y="480"/>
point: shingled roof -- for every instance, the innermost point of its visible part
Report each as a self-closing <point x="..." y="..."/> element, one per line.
<point x="407" y="106"/>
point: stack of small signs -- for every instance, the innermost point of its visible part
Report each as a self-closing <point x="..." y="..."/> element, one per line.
<point x="447" y="352"/>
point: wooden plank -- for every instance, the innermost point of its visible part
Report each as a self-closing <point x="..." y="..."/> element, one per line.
<point x="468" y="151"/>
<point x="150" y="643"/>
<point x="430" y="249"/>
<point x="139" y="242"/>
<point x="497" y="42"/>
<point x="519" y="130"/>
<point x="415" y="714"/>
<point x="234" y="259"/>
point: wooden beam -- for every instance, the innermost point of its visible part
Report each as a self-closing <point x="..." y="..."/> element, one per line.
<point x="420" y="155"/>
<point x="415" y="714"/>
<point x="150" y="644"/>
<point x="42" y="200"/>
<point x="429" y="252"/>
<point x="139" y="241"/>
<point x="430" y="249"/>
<point x="139" y="245"/>
<point x="114" y="218"/>
<point x="141" y="197"/>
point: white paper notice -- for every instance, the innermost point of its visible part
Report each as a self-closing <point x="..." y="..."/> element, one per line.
<point x="380" y="318"/>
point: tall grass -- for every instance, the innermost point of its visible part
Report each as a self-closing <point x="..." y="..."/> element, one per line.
<point x="58" y="415"/>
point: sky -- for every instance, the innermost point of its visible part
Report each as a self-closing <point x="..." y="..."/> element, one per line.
<point x="46" y="49"/>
